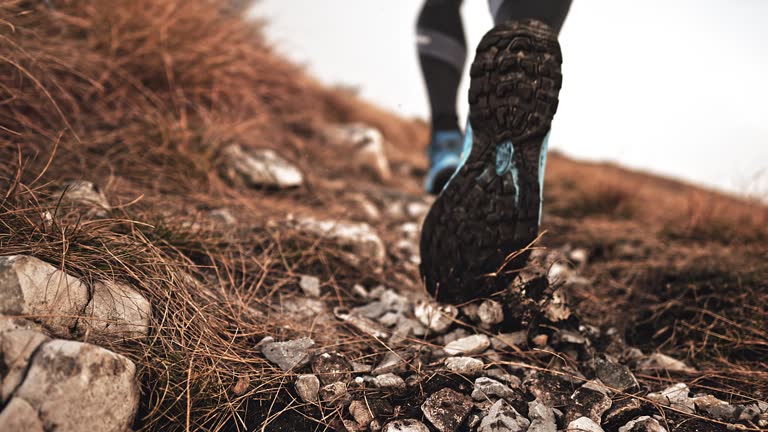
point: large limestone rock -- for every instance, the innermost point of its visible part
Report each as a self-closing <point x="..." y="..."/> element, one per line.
<point x="116" y="311"/>
<point x="35" y="289"/>
<point x="75" y="386"/>
<point x="19" y="416"/>
<point x="260" y="168"/>
<point x="366" y="145"/>
<point x="357" y="241"/>
<point x="17" y="344"/>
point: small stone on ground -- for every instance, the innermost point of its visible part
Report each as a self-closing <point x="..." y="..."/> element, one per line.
<point x="307" y="386"/>
<point x="503" y="417"/>
<point x="469" y="345"/>
<point x="447" y="409"/>
<point x="290" y="354"/>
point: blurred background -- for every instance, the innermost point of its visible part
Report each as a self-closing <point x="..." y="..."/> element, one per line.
<point x="675" y="88"/>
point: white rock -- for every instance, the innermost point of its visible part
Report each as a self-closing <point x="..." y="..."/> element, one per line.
<point x="438" y="318"/>
<point x="260" y="167"/>
<point x="358" y="241"/>
<point x="414" y="326"/>
<point x="306" y="310"/>
<point x="19" y="416"/>
<point x="222" y="216"/>
<point x="307" y="386"/>
<point x="406" y="425"/>
<point x="597" y="386"/>
<point x="29" y="286"/>
<point x="16" y="349"/>
<point x="675" y="397"/>
<point x="392" y="362"/>
<point x="288" y="355"/>
<point x="490" y="389"/>
<point x="334" y="392"/>
<point x="359" y="367"/>
<point x="389" y="380"/>
<point x="464" y="365"/>
<point x="455" y="335"/>
<point x="310" y="285"/>
<point x="503" y="376"/>
<point x="717" y="408"/>
<point x="557" y="308"/>
<point x="372" y="310"/>
<point x="362" y="323"/>
<point x="417" y="209"/>
<point x="542" y="417"/>
<point x="367" y="145"/>
<point x="571" y="337"/>
<point x="116" y="311"/>
<point x="360" y="291"/>
<point x="490" y="312"/>
<point x="509" y="340"/>
<point x="559" y="272"/>
<point x="394" y="301"/>
<point x="469" y="345"/>
<point x="661" y="361"/>
<point x="503" y="417"/>
<point x="643" y="424"/>
<point x="389" y="319"/>
<point x="81" y="387"/>
<point x="584" y="424"/>
<point x="579" y="256"/>
<point x="86" y="194"/>
<point x="361" y="413"/>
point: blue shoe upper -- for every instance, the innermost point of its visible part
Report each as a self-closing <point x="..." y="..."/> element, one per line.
<point x="445" y="156"/>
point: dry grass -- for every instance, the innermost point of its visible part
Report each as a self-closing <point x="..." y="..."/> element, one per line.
<point x="140" y="96"/>
<point x="679" y="210"/>
<point x="214" y="296"/>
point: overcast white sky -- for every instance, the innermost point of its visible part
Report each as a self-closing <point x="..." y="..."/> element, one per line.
<point x="678" y="87"/>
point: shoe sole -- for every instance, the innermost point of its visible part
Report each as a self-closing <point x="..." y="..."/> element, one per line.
<point x="490" y="210"/>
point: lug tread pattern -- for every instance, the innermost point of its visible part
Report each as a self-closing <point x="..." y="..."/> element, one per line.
<point x="481" y="218"/>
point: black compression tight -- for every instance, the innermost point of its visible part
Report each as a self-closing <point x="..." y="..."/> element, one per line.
<point x="443" y="47"/>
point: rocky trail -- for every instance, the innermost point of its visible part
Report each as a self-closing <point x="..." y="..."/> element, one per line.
<point x="193" y="239"/>
<point x="374" y="356"/>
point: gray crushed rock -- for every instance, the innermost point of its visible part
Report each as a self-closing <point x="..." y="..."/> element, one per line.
<point x="310" y="285"/>
<point x="490" y="389"/>
<point x="503" y="417"/>
<point x="405" y="425"/>
<point x="464" y="365"/>
<point x="643" y="424"/>
<point x="447" y="409"/>
<point x="308" y="387"/>
<point x="288" y="355"/>
<point x="676" y="397"/>
<point x="584" y="424"/>
<point x="474" y="344"/>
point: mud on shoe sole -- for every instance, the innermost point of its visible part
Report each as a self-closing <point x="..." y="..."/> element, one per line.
<point x="490" y="209"/>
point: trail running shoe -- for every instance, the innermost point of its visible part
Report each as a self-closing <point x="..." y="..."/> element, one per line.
<point x="444" y="158"/>
<point x="474" y="235"/>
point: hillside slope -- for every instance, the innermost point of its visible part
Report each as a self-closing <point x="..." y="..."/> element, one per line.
<point x="168" y="108"/>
